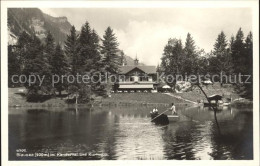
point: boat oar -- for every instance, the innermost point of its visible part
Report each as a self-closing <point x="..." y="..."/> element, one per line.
<point x="159" y="115"/>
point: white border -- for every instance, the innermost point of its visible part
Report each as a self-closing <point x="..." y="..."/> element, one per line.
<point x="254" y="5"/>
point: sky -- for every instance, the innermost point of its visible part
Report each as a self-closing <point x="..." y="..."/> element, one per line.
<point x="145" y="31"/>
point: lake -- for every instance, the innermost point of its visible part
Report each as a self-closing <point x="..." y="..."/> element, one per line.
<point x="119" y="133"/>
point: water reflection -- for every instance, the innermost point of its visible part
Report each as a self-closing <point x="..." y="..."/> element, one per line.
<point x="127" y="133"/>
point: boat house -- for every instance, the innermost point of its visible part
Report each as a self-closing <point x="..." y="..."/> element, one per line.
<point x="136" y="78"/>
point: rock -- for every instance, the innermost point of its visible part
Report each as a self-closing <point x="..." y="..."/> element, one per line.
<point x="183" y="86"/>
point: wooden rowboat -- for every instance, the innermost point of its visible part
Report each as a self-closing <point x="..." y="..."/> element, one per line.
<point x="160" y="119"/>
<point x="226" y="104"/>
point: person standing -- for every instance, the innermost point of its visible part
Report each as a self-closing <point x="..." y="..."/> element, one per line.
<point x="173" y="109"/>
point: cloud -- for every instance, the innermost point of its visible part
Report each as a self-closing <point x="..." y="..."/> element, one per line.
<point x="145" y="31"/>
<point x="147" y="39"/>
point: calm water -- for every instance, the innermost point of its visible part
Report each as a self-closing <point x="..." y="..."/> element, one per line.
<point x="127" y="133"/>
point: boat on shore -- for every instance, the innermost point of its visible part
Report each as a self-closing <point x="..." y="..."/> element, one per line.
<point x="210" y="104"/>
<point x="215" y="104"/>
<point x="173" y="118"/>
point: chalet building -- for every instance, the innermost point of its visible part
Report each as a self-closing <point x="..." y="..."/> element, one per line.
<point x="136" y="78"/>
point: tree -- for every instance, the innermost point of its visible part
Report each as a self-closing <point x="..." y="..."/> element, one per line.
<point x="122" y="58"/>
<point x="242" y="54"/>
<point x="221" y="62"/>
<point x="203" y="65"/>
<point x="59" y="67"/>
<point x="17" y="55"/>
<point x="49" y="50"/>
<point x="238" y="52"/>
<point x="178" y="54"/>
<point x="23" y="48"/>
<point x="96" y="51"/>
<point x="249" y="53"/>
<point x="71" y="51"/>
<point x="37" y="64"/>
<point x="84" y="52"/>
<point x="158" y="68"/>
<point x="49" y="47"/>
<point x="230" y="48"/>
<point x="89" y="54"/>
<point x="109" y="47"/>
<point x="172" y="60"/>
<point x="249" y="64"/>
<point x="14" y="67"/>
<point x="190" y="56"/>
<point x="220" y="44"/>
<point x="85" y="60"/>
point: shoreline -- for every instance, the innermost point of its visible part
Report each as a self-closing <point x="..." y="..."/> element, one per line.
<point x="99" y="104"/>
<point x="17" y="100"/>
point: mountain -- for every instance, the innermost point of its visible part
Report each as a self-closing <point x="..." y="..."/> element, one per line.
<point x="126" y="60"/>
<point x="130" y="61"/>
<point x="34" y="21"/>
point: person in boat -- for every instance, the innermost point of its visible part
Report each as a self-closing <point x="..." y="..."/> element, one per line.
<point x="173" y="109"/>
<point x="155" y="110"/>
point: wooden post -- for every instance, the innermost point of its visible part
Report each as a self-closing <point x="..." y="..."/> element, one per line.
<point x="76" y="99"/>
<point x="215" y="111"/>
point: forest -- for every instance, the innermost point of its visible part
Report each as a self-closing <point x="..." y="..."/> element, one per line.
<point x="232" y="58"/>
<point x="84" y="53"/>
<point x="87" y="53"/>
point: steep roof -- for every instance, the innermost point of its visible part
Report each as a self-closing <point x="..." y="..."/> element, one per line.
<point x="146" y="69"/>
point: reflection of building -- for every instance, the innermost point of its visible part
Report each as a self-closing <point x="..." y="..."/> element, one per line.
<point x="136" y="78"/>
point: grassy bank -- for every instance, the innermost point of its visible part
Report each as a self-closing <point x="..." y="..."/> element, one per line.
<point x="228" y="91"/>
<point x="145" y="99"/>
<point x="196" y="94"/>
<point x="17" y="98"/>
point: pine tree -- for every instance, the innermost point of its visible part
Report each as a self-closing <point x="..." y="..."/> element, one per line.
<point x="111" y="60"/>
<point x="49" y="45"/>
<point x="59" y="67"/>
<point x="230" y="48"/>
<point x="242" y="58"/>
<point x="84" y="46"/>
<point x="123" y="61"/>
<point x="190" y="56"/>
<point x="96" y="52"/>
<point x="17" y="56"/>
<point x="189" y="45"/>
<point x="71" y="51"/>
<point x="203" y="64"/>
<point x="249" y="53"/>
<point x="231" y="43"/>
<point x="249" y="64"/>
<point x="37" y="64"/>
<point x="49" y="49"/>
<point x="86" y="59"/>
<point x="220" y="45"/>
<point x="221" y="62"/>
<point x="14" y="67"/>
<point x="88" y="49"/>
<point x="178" y="54"/>
<point x="23" y="47"/>
<point x="238" y="52"/>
